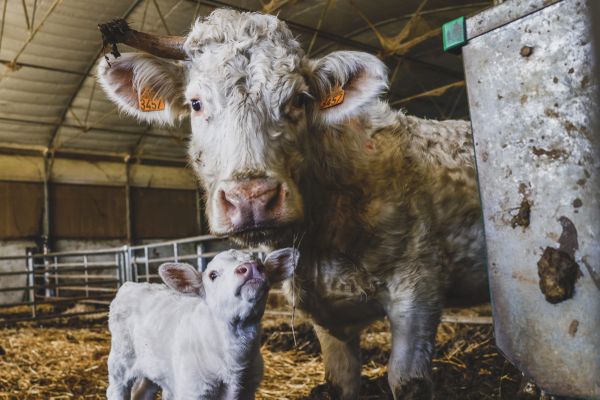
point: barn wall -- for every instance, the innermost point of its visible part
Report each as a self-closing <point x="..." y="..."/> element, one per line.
<point x="21" y="209"/>
<point x="86" y="211"/>
<point x="13" y="248"/>
<point x="88" y="207"/>
<point x="163" y="213"/>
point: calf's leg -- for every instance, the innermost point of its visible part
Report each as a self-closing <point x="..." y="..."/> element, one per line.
<point x="119" y="386"/>
<point x="144" y="389"/>
<point x="342" y="363"/>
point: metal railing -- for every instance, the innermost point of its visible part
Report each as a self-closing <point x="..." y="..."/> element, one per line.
<point x="74" y="283"/>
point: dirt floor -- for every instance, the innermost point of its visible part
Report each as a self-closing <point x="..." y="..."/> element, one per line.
<point x="67" y="360"/>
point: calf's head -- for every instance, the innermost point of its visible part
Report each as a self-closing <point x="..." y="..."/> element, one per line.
<point x="256" y="106"/>
<point x="235" y="283"/>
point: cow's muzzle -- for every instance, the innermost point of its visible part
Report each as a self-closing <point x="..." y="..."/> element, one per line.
<point x="255" y="205"/>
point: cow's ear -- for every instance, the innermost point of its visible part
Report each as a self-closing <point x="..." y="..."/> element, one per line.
<point x="182" y="278"/>
<point x="144" y="86"/>
<point x="344" y="83"/>
<point x="280" y="264"/>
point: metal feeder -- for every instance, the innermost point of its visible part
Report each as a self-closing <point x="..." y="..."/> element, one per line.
<point x="532" y="91"/>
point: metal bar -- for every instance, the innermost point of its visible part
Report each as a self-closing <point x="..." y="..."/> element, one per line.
<point x="55" y="286"/>
<point x="33" y="13"/>
<point x="20" y="64"/>
<point x="433" y="92"/>
<point x="3" y="21"/>
<point x="26" y="14"/>
<point x="128" y="224"/>
<point x="84" y="276"/>
<point x="46" y="210"/>
<point x="146" y="263"/>
<point x="162" y="18"/>
<point x="85" y="260"/>
<point x="57" y="292"/>
<point x="50" y="316"/>
<point x="318" y="28"/>
<point x="147" y="3"/>
<point x="64" y="266"/>
<point x="91" y="289"/>
<point x="31" y="282"/>
<point x="54" y="301"/>
<point x="13" y="273"/>
<point x="88" y="155"/>
<point x="201" y="238"/>
<point x="180" y="258"/>
<point x="200" y="259"/>
<point x="46" y="266"/>
<point x="175" y="252"/>
<point x="89" y="105"/>
<point x="149" y="276"/>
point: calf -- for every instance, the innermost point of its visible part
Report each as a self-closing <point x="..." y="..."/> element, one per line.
<point x="198" y="337"/>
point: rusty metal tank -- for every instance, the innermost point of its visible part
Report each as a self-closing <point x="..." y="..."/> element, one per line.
<point x="529" y="67"/>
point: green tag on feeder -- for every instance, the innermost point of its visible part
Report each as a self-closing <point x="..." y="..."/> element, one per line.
<point x="454" y="34"/>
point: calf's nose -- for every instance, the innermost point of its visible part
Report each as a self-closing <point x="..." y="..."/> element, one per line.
<point x="242" y="270"/>
<point x="248" y="270"/>
<point x="252" y="203"/>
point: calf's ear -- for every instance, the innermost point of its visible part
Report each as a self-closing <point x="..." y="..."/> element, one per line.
<point x="280" y="264"/>
<point x="182" y="278"/>
<point x="344" y="82"/>
<point x="146" y="87"/>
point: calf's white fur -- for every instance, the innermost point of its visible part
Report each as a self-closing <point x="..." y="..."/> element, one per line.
<point x="198" y="337"/>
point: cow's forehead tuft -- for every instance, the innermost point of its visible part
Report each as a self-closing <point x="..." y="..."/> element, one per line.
<point x="240" y="30"/>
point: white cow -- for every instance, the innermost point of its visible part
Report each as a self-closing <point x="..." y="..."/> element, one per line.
<point x="198" y="337"/>
<point x="286" y="147"/>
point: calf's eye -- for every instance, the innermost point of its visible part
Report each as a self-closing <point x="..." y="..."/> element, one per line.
<point x="196" y="105"/>
<point x="213" y="275"/>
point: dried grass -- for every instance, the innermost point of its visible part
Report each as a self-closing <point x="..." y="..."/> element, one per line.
<point x="67" y="360"/>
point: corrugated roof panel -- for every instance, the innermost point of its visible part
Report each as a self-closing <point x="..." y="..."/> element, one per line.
<point x="34" y="94"/>
<point x="95" y="140"/>
<point x="23" y="133"/>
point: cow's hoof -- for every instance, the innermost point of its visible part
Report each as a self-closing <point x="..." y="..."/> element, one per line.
<point x="414" y="389"/>
<point x="327" y="391"/>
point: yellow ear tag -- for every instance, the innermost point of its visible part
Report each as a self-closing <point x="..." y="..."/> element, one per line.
<point x="149" y="102"/>
<point x="334" y="99"/>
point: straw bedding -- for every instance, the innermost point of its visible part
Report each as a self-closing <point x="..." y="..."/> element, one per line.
<point x="67" y="360"/>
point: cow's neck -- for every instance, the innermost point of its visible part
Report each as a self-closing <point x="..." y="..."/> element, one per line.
<point x="357" y="173"/>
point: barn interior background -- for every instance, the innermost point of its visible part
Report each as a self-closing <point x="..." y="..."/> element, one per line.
<point x="77" y="177"/>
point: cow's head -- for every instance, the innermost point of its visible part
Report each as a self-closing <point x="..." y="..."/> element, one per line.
<point x="255" y="105"/>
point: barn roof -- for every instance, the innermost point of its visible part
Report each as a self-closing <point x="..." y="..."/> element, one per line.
<point x="49" y="99"/>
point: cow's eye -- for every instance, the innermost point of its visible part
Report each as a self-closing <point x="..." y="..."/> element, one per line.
<point x="299" y="100"/>
<point x="213" y="275"/>
<point x="196" y="105"/>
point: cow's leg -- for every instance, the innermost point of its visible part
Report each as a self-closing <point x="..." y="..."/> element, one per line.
<point x="413" y="324"/>
<point x="342" y="363"/>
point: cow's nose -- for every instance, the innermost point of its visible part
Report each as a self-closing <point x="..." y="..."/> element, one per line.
<point x="252" y="203"/>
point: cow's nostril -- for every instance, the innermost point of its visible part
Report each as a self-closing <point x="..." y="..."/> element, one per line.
<point x="275" y="198"/>
<point x="225" y="203"/>
<point x="241" y="270"/>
